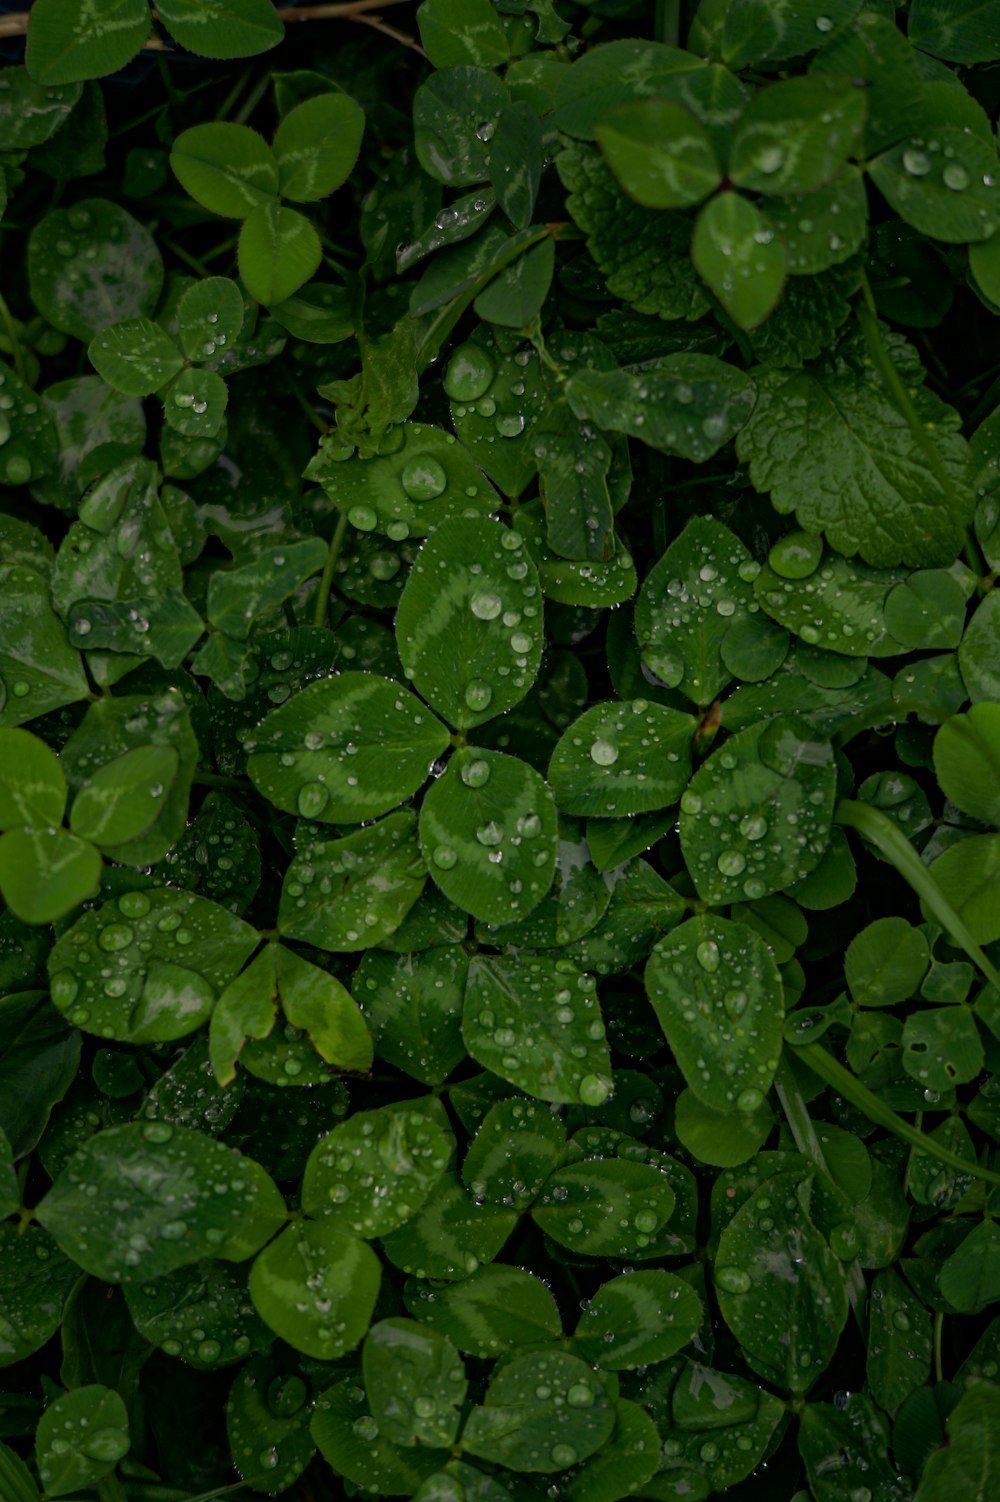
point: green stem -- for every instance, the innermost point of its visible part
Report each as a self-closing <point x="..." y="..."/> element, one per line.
<point x="895" y="386"/>
<point x="326" y="579"/>
<point x="314" y="417"/>
<point x="444" y="319"/>
<point x="938" y="1344"/>
<point x="186" y="257"/>
<point x="667" y="25"/>
<point x="850" y="1087"/>
<point x="15" y="344"/>
<point x="222" y="113"/>
<point x="893" y="844"/>
<point x="253" y="99"/>
<point x="804" y="1133"/>
<point x="110" y="1489"/>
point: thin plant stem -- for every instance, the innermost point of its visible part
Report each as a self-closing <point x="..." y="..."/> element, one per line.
<point x="15" y="344"/>
<point x="252" y="100"/>
<point x="329" y="568"/>
<point x="938" y="1345"/>
<point x="667" y="25"/>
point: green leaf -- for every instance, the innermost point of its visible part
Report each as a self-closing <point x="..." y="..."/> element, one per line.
<point x="267" y="1419"/>
<point x="317" y="145"/>
<point x="717" y="995"/>
<point x="517" y="162"/>
<point x="886" y="962"/>
<point x="944" y="186"/>
<point x="970" y="1278"/>
<point x="229" y="169"/>
<point x="853" y="1437"/>
<point x="736" y="253"/>
<point x="826" y="231"/>
<point x="209" y="316"/>
<point x="247" y="1008"/>
<point x="324" y="1009"/>
<point x="195" y="403"/>
<point x="30" y="450"/>
<point x="41" y="1057"/>
<point x="451" y="1235"/>
<point x="519" y="1429"/>
<point x="967" y="762"/>
<point x="371" y="1174"/>
<point x="512" y="1154"/>
<point x="829" y="444"/>
<point x="781" y="1290"/>
<point x="46" y="873"/>
<point x="899" y="1341"/>
<point x="637" y="1319"/>
<point x="424" y="480"/>
<point x="121" y="802"/>
<point x="979" y="655"/>
<point x="493" y="1311"/>
<point x="843" y="606"/>
<point x="91" y="265"/>
<point x="279" y="250"/>
<point x="375" y="876"/>
<point x="469" y="622"/>
<point x="616" y="73"/>
<point x="316" y="1289"/>
<point x="32" y="784"/>
<point x="942" y="1047"/>
<point x="172" y="1213"/>
<point x="968" y="872"/>
<point x="721" y="1138"/>
<point x="622" y="759"/>
<point x="795" y="136"/>
<point x="537" y="1022"/>
<point x="415" y="1382"/>
<point x="959" y="32"/>
<point x="349" y="1440"/>
<point x="625" y="1463"/>
<point x="135" y="356"/>
<point x="35" y="1279"/>
<point x="684" y="404"/>
<point x="143" y="817"/>
<point x="769" y="31"/>
<point x="237" y="597"/>
<point x="306" y="755"/>
<point x="606" y="1207"/>
<point x="413" y="1006"/>
<point x="454" y="117"/>
<point x="222" y="28"/>
<point x="457" y="32"/>
<point x="16" y="1478"/>
<point x="171" y="953"/>
<point x="514" y="297"/>
<point x="31" y="112"/>
<point x="659" y="152"/>
<point x="965" y="1468"/>
<point x="487" y="832"/>
<point x="69" y="41"/>
<point x="66" y="1464"/>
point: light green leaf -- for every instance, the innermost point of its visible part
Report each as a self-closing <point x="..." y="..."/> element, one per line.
<point x="372" y="1173"/>
<point x="970" y="1278"/>
<point x="659" y="152"/>
<point x="984" y="264"/>
<point x="830" y="445"/>
<point x="415" y="1382"/>
<point x="616" y="73"/>
<point x="721" y="1138"/>
<point x="966" y="1468"/>
<point x="625" y="1463"/>
<point x="691" y="600"/>
<point x="161" y="1181"/>
<point x="135" y="356"/>
<point x="827" y="229"/>
<point x="316" y="146"/>
<point x="469" y="624"/>
<point x="496" y="398"/>
<point x="795" y="136"/>
<point x="494" y="1310"/>
<point x="229" y="169"/>
<point x="946" y="186"/>
<point x="886" y="962"/>
<point x="637" y="1319"/>
<point x="222" y="28"/>
<point x="781" y="1290"/>
<point x="46" y="873"/>
<point x="967" y="761"/>
<point x="968" y="872"/>
<point x="777" y="781"/>
<point x="512" y="1154"/>
<point x="31" y="112"/>
<point x="81" y="1437"/>
<point x="514" y="297"/>
<point x="209" y="317"/>
<point x="91" y="265"/>
<point x="537" y="1022"/>
<point x="71" y="39"/>
<point x="246" y="1009"/>
<point x="717" y="994"/>
<point x="941" y="1047"/>
<point x="684" y="404"/>
<point x="488" y="834"/>
<point x="454" y="117"/>
<point x="170" y="953"/>
<point x="979" y="653"/>
<point x="737" y="254"/>
<point x="451" y="1235"/>
<point x="316" y="1289"/>
<point x="194" y="403"/>
<point x="518" y="161"/>
<point x="457" y="32"/>
<point x="32" y="784"/>
<point x="622" y="759"/>
<point x="122" y="800"/>
<point x="373" y="878"/>
<point x="573" y="462"/>
<point x="841" y="609"/>
<point x="345" y="749"/>
<point x="316" y="1002"/>
<point x="518" y="1429"/>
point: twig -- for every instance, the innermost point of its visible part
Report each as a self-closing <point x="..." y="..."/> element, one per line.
<point x="389" y="31"/>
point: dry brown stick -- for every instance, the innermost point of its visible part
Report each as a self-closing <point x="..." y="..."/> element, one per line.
<point x="389" y="31"/>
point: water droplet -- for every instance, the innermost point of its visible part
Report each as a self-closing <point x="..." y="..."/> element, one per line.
<point x="749" y="1100"/>
<point x="917" y="163"/>
<point x="486" y="605"/>
<point x="423" y="478"/>
<point x="313" y="798"/>
<point x="475" y="773"/>
<point x="769" y="159"/>
<point x="731" y="862"/>
<point x="490" y="834"/>
<point x="268" y="1459"/>
<point x="579" y="1395"/>
<point x="797" y="555"/>
<point x="603" y="753"/>
<point x="115" y="936"/>
<point x="106" y="1445"/>
<point x="823" y="23"/>
<point x="733" y="1279"/>
<point x="594" y="1091"/>
<point x="18" y="469"/>
<point x="510" y="424"/>
<point x="470" y="373"/>
<point x="753" y="827"/>
<point x="362" y="517"/>
<point x="563" y="1455"/>
<point x="478" y="695"/>
<point x="365" y="1428"/>
<point x="708" y="956"/>
<point x="955" y="177"/>
<point x="444" y="858"/>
